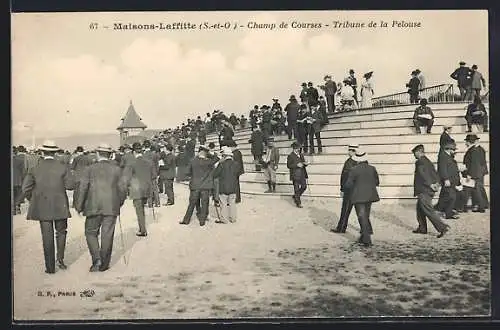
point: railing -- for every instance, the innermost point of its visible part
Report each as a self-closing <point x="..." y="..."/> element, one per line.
<point x="433" y="94"/>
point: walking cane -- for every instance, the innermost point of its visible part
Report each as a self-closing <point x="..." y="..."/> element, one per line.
<point x="122" y="240"/>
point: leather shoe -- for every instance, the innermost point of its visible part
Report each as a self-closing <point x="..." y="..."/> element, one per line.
<point x="299" y="206"/>
<point x="141" y="234"/>
<point x="103" y="268"/>
<point x="95" y="267"/>
<point x="335" y="230"/>
<point x="61" y="264"/>
<point x="418" y="231"/>
<point x="445" y="230"/>
<point x="455" y="217"/>
<point x="50" y="271"/>
<point x="184" y="223"/>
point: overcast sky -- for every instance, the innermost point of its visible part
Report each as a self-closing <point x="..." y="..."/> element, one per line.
<point x="68" y="78"/>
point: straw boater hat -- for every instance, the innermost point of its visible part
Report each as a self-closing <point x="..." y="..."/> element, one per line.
<point x="104" y="147"/>
<point x="359" y="156"/>
<point x="226" y="151"/>
<point x="49" y="145"/>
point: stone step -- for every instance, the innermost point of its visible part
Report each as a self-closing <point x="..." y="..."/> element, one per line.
<point x="397" y="192"/>
<point x="283" y="176"/>
<point x="400" y="148"/>
<point x="379" y="158"/>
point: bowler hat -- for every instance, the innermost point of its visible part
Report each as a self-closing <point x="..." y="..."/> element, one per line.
<point x="21" y="148"/>
<point x="423" y="102"/>
<point x="471" y="137"/>
<point x="49" y="145"/>
<point x="461" y="63"/>
<point x="351" y="71"/>
<point x="79" y="149"/>
<point x="146" y="143"/>
<point x="136" y="146"/>
<point x="303" y="84"/>
<point x="295" y="145"/>
<point x="104" y="147"/>
<point x="474" y="66"/>
<point x="327" y="76"/>
<point x="292" y="98"/>
<point x="418" y="147"/>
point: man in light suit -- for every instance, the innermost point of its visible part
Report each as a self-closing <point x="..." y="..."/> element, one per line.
<point x="297" y="164"/>
<point x="138" y="177"/>
<point x="101" y="194"/>
<point x="270" y="165"/>
<point x="45" y="187"/>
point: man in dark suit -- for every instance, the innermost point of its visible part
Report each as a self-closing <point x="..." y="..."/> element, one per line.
<point x="312" y="95"/>
<point x="200" y="186"/>
<point x="152" y="156"/>
<point x="362" y="183"/>
<point x="476" y="114"/>
<point x="315" y="124"/>
<point x="45" y="188"/>
<point x="297" y="164"/>
<point x="292" y="112"/>
<point x="413" y="87"/>
<point x="330" y="88"/>
<point x="238" y="158"/>
<point x="167" y="173"/>
<point x="303" y="93"/>
<point x="425" y="186"/>
<point x="445" y="137"/>
<point x="138" y="177"/>
<point x="423" y="116"/>
<point x="257" y="147"/>
<point x="463" y="76"/>
<point x="18" y="174"/>
<point x="476" y="169"/>
<point x="303" y="127"/>
<point x="450" y="181"/>
<point x="127" y="157"/>
<point x="344" y="192"/>
<point x="226" y="173"/>
<point x="102" y="193"/>
<point x="78" y="163"/>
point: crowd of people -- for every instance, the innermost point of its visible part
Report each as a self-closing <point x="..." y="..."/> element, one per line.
<point x="102" y="179"/>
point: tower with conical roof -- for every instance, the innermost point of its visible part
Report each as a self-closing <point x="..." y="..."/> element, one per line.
<point x="131" y="124"/>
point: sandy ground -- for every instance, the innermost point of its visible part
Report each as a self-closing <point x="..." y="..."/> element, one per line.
<point x="275" y="261"/>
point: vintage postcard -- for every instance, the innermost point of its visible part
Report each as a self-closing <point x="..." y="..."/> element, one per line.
<point x="206" y="165"/>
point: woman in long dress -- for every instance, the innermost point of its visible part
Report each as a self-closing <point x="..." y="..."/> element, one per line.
<point x="367" y="91"/>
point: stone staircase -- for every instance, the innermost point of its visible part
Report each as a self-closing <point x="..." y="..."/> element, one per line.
<point x="386" y="134"/>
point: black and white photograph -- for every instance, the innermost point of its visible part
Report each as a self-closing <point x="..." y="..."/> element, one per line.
<point x="187" y="165"/>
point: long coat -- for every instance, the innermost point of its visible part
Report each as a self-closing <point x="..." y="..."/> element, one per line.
<point x="138" y="177"/>
<point x="292" y="111"/>
<point x="102" y="190"/>
<point x="362" y="183"/>
<point x="463" y="76"/>
<point x="348" y="165"/>
<point x="448" y="169"/>
<point x="475" y="162"/>
<point x="79" y="163"/>
<point x="201" y="172"/>
<point x="228" y="173"/>
<point x="477" y="79"/>
<point x="425" y="176"/>
<point x="127" y="159"/>
<point x="167" y="171"/>
<point x="445" y="139"/>
<point x="45" y="188"/>
<point x="296" y="173"/>
<point x="257" y="141"/>
<point x="238" y="157"/>
<point x="330" y="88"/>
<point x="153" y="158"/>
<point x="18" y="169"/>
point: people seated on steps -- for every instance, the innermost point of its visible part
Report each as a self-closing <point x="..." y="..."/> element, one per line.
<point x="476" y="114"/>
<point x="423" y="116"/>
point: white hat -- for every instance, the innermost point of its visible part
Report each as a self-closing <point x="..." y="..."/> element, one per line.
<point x="227" y="151"/>
<point x="104" y="147"/>
<point x="359" y="156"/>
<point x="49" y="145"/>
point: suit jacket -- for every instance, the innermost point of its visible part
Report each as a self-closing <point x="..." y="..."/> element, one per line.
<point x="445" y="139"/>
<point x="138" y="176"/>
<point x="153" y="158"/>
<point x="102" y="190"/>
<point x="423" y="110"/>
<point x="238" y="157"/>
<point x="348" y="165"/>
<point x="18" y="169"/>
<point x="312" y="94"/>
<point x="45" y="187"/>
<point x="425" y="175"/>
<point x="201" y="172"/>
<point x="475" y="162"/>
<point x="167" y="171"/>
<point x="227" y="173"/>
<point x="296" y="173"/>
<point x="413" y="85"/>
<point x="79" y="163"/>
<point x="257" y="141"/>
<point x="448" y="169"/>
<point x="292" y="111"/>
<point x="463" y="76"/>
<point x="330" y="88"/>
<point x="274" y="156"/>
<point x="471" y="108"/>
<point x="477" y="79"/>
<point x="127" y="159"/>
<point x="362" y="183"/>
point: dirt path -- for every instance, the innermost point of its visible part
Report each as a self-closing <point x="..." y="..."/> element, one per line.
<point x="275" y="261"/>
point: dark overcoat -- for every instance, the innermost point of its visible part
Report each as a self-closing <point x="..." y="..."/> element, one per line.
<point x="138" y="177"/>
<point x="425" y="176"/>
<point x="167" y="171"/>
<point x="296" y="173"/>
<point x="362" y="183"/>
<point x="18" y="169"/>
<point x="257" y="143"/>
<point x="475" y="162"/>
<point x="448" y="169"/>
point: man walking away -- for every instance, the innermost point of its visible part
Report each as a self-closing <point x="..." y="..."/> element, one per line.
<point x="138" y="177"/>
<point x="270" y="165"/>
<point x="476" y="169"/>
<point x="200" y="186"/>
<point x="152" y="156"/>
<point x="78" y="163"/>
<point x="463" y="76"/>
<point x="476" y="114"/>
<point x="413" y="87"/>
<point x="330" y="88"/>
<point x="102" y="193"/>
<point x="425" y="186"/>
<point x="167" y="173"/>
<point x="298" y="173"/>
<point x="45" y="188"/>
<point x="257" y="147"/>
<point x="292" y="112"/>
<point x="227" y="173"/>
<point x="344" y="192"/>
<point x="312" y="95"/>
<point x="451" y="187"/>
<point x="477" y="81"/>
<point x="423" y="116"/>
<point x="362" y="182"/>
